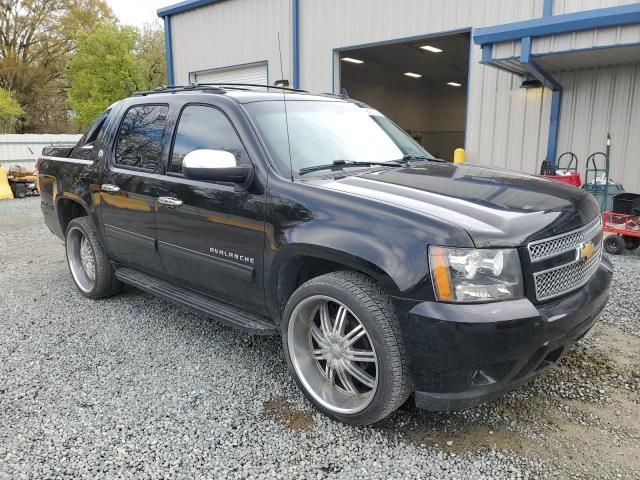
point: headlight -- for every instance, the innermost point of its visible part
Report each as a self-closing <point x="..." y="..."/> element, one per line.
<point x="475" y="275"/>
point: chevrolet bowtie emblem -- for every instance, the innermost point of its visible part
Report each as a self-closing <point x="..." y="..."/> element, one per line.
<point x="585" y="251"/>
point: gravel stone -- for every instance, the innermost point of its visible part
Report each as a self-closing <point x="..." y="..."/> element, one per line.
<point x="135" y="387"/>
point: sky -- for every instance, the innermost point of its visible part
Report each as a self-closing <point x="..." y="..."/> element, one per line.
<point x="138" y="12"/>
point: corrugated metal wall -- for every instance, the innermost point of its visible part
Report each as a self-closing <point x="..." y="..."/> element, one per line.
<point x="507" y="126"/>
<point x="569" y="6"/>
<point x="22" y="149"/>
<point x="600" y="101"/>
<point x="231" y="33"/>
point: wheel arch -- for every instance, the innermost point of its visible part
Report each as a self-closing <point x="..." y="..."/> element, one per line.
<point x="68" y="208"/>
<point x="297" y="264"/>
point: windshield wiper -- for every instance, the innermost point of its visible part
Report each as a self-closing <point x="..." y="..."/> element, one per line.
<point x="408" y="158"/>
<point x="340" y="164"/>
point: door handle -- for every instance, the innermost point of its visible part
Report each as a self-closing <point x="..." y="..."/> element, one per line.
<point x="108" y="187"/>
<point x="170" y="201"/>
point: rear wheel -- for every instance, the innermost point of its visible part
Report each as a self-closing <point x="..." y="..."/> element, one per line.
<point x="614" y="244"/>
<point x="631" y="243"/>
<point x="344" y="349"/>
<point x="90" y="268"/>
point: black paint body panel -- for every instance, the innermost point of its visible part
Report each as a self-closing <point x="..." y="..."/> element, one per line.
<point x="233" y="242"/>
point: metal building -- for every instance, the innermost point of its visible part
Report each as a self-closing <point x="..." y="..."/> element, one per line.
<point x="21" y="150"/>
<point x="513" y="81"/>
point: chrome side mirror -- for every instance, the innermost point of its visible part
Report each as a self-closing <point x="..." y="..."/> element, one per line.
<point x="216" y="165"/>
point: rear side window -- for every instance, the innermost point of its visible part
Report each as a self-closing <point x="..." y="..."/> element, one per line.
<point x="140" y="136"/>
<point x="202" y="127"/>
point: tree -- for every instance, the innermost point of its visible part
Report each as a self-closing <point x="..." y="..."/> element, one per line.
<point x="111" y="63"/>
<point x="150" y="56"/>
<point x="37" y="39"/>
<point x="10" y="111"/>
<point x="102" y="71"/>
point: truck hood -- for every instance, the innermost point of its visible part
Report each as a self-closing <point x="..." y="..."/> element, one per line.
<point x="498" y="208"/>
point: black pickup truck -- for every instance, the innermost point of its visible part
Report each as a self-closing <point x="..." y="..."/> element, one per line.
<point x="386" y="271"/>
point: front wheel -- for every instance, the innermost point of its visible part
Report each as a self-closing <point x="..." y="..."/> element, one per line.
<point x="344" y="348"/>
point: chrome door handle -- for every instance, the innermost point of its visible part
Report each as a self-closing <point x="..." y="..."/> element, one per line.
<point x="171" y="201"/>
<point x="108" y="187"/>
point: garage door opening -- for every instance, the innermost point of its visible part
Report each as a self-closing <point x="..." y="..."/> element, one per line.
<point x="421" y="85"/>
<point x="256" y="73"/>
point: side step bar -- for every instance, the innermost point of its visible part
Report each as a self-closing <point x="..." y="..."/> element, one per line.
<point x="223" y="312"/>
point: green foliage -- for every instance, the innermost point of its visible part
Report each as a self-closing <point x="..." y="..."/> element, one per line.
<point x="10" y="111"/>
<point x="110" y="63"/>
<point x="37" y="40"/>
<point x="9" y="108"/>
<point x="150" y="57"/>
<point x="102" y="70"/>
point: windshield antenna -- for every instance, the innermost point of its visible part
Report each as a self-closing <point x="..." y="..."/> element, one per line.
<point x="286" y="116"/>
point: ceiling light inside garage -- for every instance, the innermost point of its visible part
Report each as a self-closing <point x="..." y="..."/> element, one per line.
<point x="413" y="75"/>
<point x="352" y="60"/>
<point x="454" y="84"/>
<point x="431" y="49"/>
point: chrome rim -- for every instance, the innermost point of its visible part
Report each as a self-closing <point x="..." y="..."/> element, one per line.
<point x="332" y="354"/>
<point x="81" y="260"/>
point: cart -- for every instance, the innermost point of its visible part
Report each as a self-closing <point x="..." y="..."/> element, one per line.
<point x="624" y="230"/>
<point x="567" y="174"/>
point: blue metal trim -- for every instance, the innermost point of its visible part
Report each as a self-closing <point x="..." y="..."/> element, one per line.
<point x="569" y="22"/>
<point x="547" y="8"/>
<point x="554" y="124"/>
<point x="487" y="53"/>
<point x="556" y="96"/>
<point x="184" y="7"/>
<point x="533" y="68"/>
<point x="213" y="69"/>
<point x="295" y="43"/>
<point x="168" y="49"/>
<point x="466" y="103"/>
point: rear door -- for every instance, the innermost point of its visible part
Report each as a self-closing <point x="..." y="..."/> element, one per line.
<point x="130" y="184"/>
<point x="211" y="235"/>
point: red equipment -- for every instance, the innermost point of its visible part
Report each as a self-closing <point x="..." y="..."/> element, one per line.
<point x="625" y="230"/>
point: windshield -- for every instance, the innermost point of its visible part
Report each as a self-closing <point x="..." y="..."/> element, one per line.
<point x="323" y="132"/>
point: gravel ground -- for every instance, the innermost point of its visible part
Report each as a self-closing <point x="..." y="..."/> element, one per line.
<point x="135" y="387"/>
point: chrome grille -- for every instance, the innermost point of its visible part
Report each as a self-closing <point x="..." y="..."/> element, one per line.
<point x="571" y="276"/>
<point x="550" y="247"/>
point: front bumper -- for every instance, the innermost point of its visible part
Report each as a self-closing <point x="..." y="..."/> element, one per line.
<point x="462" y="355"/>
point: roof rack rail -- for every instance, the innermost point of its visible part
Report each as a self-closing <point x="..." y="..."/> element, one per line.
<point x="238" y="86"/>
<point x="180" y="88"/>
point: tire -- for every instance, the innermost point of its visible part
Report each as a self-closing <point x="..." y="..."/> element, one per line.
<point x="631" y="243"/>
<point x="349" y="397"/>
<point x="21" y="192"/>
<point x="94" y="276"/>
<point x="614" y="244"/>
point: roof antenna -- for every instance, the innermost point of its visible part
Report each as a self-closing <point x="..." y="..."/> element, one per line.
<point x="286" y="116"/>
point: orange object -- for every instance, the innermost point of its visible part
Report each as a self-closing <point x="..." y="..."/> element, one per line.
<point x="440" y="269"/>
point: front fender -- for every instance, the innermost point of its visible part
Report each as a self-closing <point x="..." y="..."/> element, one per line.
<point x="386" y="242"/>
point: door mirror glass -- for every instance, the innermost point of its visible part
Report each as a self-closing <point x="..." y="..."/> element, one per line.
<point x="216" y="165"/>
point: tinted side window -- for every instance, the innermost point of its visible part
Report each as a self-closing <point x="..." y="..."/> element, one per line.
<point x="84" y="149"/>
<point x="202" y="127"/>
<point x="139" y="139"/>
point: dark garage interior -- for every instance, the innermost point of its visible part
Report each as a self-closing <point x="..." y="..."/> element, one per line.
<point x="420" y="84"/>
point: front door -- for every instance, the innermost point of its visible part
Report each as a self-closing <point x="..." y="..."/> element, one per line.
<point x="211" y="235"/>
<point x="130" y="184"/>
